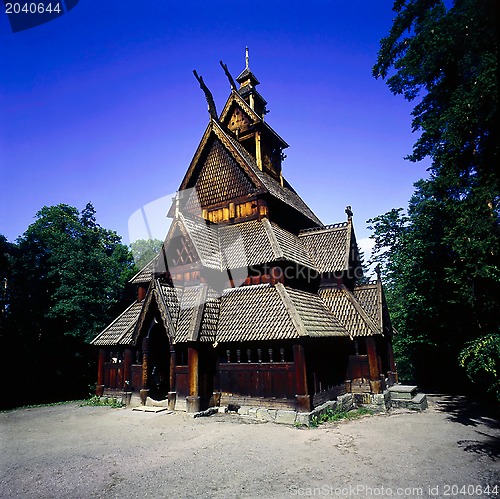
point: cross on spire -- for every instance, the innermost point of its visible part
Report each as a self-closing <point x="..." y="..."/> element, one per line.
<point x="246" y="58"/>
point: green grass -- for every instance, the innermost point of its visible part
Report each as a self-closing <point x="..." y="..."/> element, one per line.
<point x="331" y="415"/>
<point x="96" y="401"/>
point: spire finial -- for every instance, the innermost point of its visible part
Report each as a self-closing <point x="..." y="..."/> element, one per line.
<point x="246" y="57"/>
<point x="349" y="213"/>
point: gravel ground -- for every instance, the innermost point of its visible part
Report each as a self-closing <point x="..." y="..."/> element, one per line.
<point x="79" y="452"/>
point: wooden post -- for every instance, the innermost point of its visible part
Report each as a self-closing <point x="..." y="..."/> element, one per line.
<point x="392" y="375"/>
<point x="127" y="370"/>
<point x="263" y="209"/>
<point x="99" y="391"/>
<point x="127" y="376"/>
<point x="141" y="293"/>
<point x="303" y="400"/>
<point x="172" y="394"/>
<point x="258" y="156"/>
<point x="193" y="400"/>
<point x="145" y="354"/>
<point x="373" y="366"/>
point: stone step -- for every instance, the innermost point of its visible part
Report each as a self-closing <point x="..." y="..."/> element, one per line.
<point x="416" y="403"/>
<point x="403" y="392"/>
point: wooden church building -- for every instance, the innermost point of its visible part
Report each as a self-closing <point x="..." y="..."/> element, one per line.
<point x="252" y="301"/>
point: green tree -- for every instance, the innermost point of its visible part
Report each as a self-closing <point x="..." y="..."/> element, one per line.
<point x="441" y="260"/>
<point x="67" y="281"/>
<point x="144" y="250"/>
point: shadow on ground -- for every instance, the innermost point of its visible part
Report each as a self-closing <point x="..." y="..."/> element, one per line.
<point x="465" y="411"/>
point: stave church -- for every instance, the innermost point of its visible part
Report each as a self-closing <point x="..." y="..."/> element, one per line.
<point x="252" y="300"/>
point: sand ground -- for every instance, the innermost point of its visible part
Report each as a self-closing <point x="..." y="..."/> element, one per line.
<point x="70" y="451"/>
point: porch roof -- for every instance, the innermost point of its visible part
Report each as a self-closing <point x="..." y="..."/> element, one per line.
<point x="120" y="331"/>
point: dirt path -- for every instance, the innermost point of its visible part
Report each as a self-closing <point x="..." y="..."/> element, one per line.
<point x="72" y="451"/>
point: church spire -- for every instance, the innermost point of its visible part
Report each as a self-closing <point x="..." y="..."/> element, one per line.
<point x="248" y="82"/>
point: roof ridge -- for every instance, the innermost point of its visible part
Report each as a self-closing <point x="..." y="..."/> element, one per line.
<point x="360" y="309"/>
<point x="144" y="268"/>
<point x="243" y="289"/>
<point x="246" y="107"/>
<point x="197" y="248"/>
<point x="195" y="322"/>
<point x="325" y="228"/>
<point x="360" y="285"/>
<point x="167" y="320"/>
<point x="275" y="245"/>
<point x="293" y="313"/>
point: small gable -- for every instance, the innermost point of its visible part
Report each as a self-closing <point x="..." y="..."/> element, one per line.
<point x="179" y="249"/>
<point x="238" y="121"/>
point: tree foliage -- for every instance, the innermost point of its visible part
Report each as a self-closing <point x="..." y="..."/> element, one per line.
<point x="144" y="250"/>
<point x="441" y="259"/>
<point x="66" y="282"/>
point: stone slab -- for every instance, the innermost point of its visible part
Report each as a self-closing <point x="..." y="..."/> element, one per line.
<point x="286" y="417"/>
<point x="149" y="408"/>
<point x="402" y="392"/>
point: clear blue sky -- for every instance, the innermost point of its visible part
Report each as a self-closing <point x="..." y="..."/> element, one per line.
<point x="101" y="104"/>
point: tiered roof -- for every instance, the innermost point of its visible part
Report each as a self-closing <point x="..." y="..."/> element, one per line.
<point x="222" y="171"/>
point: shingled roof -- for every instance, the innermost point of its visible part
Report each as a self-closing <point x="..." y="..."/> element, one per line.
<point x="264" y="312"/>
<point x="240" y="245"/>
<point x="238" y="155"/>
<point x="284" y="193"/>
<point x="349" y="311"/>
<point x="330" y="247"/>
<point x="119" y="332"/>
<point x="145" y="275"/>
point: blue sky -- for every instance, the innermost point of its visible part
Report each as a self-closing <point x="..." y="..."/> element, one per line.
<point x="101" y="104"/>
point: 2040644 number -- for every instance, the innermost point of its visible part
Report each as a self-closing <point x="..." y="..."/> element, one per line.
<point x="32" y="8"/>
<point x="470" y="490"/>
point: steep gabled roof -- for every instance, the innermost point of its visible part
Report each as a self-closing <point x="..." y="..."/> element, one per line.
<point x="332" y="248"/>
<point x="317" y="320"/>
<point x="235" y="100"/>
<point x="199" y="236"/>
<point x="119" y="332"/>
<point x="262" y="182"/>
<point x="368" y="295"/>
<point x="284" y="193"/>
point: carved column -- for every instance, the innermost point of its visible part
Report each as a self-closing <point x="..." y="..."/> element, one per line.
<point x="145" y="358"/>
<point x="100" y="373"/>
<point x="172" y="394"/>
<point x="302" y="398"/>
<point x="193" y="400"/>
<point x="373" y="366"/>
